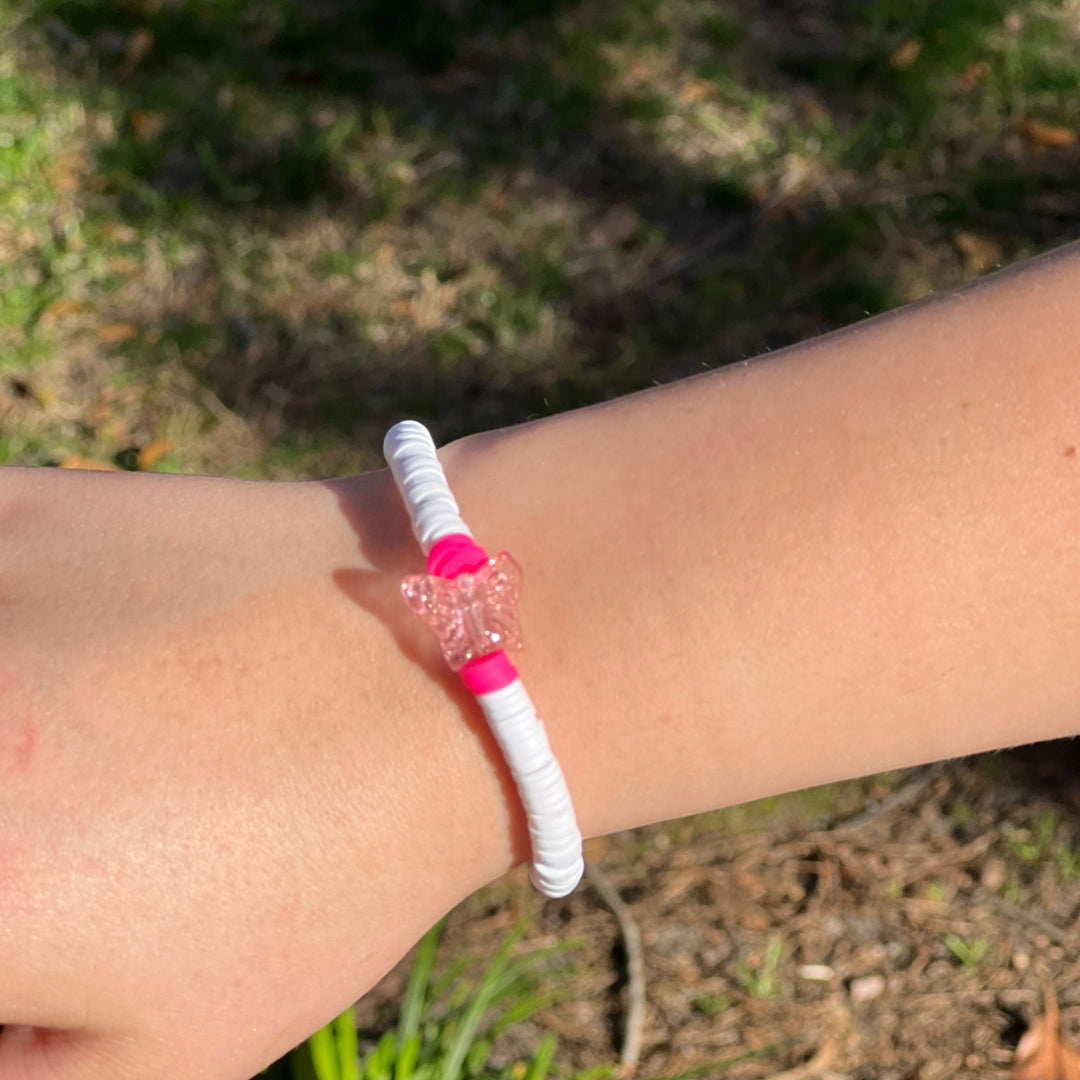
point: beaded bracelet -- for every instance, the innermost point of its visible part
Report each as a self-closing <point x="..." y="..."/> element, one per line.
<point x="468" y="599"/>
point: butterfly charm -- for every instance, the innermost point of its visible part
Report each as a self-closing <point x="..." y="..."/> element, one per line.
<point x="473" y="614"/>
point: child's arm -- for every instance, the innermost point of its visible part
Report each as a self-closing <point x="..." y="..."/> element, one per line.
<point x="236" y="780"/>
<point x="860" y="553"/>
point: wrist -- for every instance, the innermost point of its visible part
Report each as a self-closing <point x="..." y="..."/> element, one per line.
<point x="453" y="795"/>
<point x="231" y="758"/>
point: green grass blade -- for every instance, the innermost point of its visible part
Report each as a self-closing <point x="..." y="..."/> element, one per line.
<point x="538" y="1070"/>
<point x="522" y="965"/>
<point x="324" y="1054"/>
<point x="523" y="1009"/>
<point x="299" y="1063"/>
<point x="486" y="992"/>
<point x="477" y="1056"/>
<point x="412" y="1007"/>
<point x="455" y="969"/>
<point x="347" y="1046"/>
<point x="380" y="1061"/>
<point x="408" y="1054"/>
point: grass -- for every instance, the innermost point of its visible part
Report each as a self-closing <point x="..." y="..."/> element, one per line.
<point x="329" y="1054"/>
<point x="449" y="1023"/>
<point x="968" y="953"/>
<point x="284" y="230"/>
<point x="1033" y="845"/>
<point x="759" y="978"/>
<point x="1044" y="844"/>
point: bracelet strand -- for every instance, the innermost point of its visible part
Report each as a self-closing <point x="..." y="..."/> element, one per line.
<point x="468" y="599"/>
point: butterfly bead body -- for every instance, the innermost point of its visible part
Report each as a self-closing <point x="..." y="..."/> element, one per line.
<point x="472" y="614"/>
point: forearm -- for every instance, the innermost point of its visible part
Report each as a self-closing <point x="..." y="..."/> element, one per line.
<point x="238" y="779"/>
<point x="860" y="553"/>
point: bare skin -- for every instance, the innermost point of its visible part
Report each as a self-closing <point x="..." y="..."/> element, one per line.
<point x="236" y="782"/>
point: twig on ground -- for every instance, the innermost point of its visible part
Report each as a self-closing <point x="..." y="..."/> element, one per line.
<point x="1026" y="916"/>
<point x="818" y="1065"/>
<point x="959" y="857"/>
<point x="907" y="793"/>
<point x="635" y="968"/>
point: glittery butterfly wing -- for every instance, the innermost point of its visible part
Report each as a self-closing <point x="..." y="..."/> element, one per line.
<point x="434" y="599"/>
<point x="504" y="588"/>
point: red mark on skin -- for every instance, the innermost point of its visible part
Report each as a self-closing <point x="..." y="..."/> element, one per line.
<point x="22" y="750"/>
<point x="1070" y="451"/>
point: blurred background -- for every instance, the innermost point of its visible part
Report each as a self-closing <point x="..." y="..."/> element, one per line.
<point x="242" y="237"/>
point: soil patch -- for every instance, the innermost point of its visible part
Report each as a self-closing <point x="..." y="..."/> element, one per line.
<point x="914" y="939"/>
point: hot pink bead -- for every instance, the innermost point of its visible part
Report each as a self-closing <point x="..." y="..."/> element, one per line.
<point x="486" y="674"/>
<point x="472" y="614"/>
<point x="456" y="553"/>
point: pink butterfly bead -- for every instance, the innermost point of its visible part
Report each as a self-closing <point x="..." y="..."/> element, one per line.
<point x="472" y="614"/>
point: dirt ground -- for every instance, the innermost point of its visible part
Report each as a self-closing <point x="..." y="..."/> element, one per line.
<point x="912" y="932"/>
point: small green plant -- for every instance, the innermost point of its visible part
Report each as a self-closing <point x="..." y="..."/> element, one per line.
<point x="1068" y="862"/>
<point x="1038" y="844"/>
<point x="970" y="954"/>
<point x="761" y="982"/>
<point x="934" y="890"/>
<point x="447" y="1027"/>
<point x="1034" y="846"/>
<point x="711" y="1004"/>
